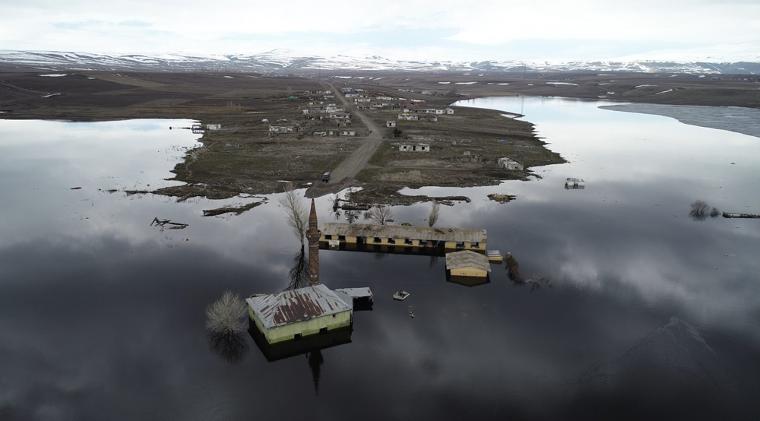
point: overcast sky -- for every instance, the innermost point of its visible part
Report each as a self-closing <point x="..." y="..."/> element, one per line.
<point x="535" y="30"/>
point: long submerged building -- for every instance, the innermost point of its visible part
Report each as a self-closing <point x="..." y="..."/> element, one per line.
<point x="401" y="236"/>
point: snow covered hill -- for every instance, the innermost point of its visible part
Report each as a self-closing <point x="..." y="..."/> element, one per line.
<point x="279" y="61"/>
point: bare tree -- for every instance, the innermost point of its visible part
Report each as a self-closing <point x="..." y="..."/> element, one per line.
<point x="351" y="216"/>
<point x="433" y="217"/>
<point x="298" y="217"/>
<point x="226" y="316"/>
<point x="381" y="214"/>
<point x="699" y="210"/>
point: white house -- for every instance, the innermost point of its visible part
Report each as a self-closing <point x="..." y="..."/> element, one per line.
<point x="348" y="132"/>
<point x="390" y="124"/>
<point x="510" y="164"/>
<point x="449" y="111"/>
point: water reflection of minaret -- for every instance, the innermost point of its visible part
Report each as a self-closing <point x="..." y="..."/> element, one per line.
<point x="315" y="363"/>
<point x="313" y="236"/>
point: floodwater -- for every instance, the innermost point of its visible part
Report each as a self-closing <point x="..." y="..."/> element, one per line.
<point x="633" y="308"/>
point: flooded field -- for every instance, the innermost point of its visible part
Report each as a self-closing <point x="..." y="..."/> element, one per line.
<point x="632" y="306"/>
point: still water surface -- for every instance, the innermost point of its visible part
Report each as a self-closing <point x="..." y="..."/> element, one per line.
<point x="638" y="310"/>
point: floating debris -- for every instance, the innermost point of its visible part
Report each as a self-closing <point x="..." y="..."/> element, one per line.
<point x="237" y="210"/>
<point x="740" y="215"/>
<point x="572" y="183"/>
<point x="168" y="224"/>
<point x="76" y="188"/>
<point x="502" y="198"/>
<point x="494" y="256"/>
<point x="401" y="295"/>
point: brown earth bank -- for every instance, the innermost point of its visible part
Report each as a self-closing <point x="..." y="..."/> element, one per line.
<point x="242" y="156"/>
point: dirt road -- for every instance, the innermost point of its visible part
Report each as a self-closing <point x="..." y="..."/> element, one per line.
<point x="354" y="163"/>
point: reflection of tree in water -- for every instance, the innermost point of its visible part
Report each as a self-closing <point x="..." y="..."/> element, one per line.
<point x="699" y="211"/>
<point x="433" y="260"/>
<point x="231" y="347"/>
<point x="434" y="211"/>
<point x="299" y="273"/>
<point x="315" y="364"/>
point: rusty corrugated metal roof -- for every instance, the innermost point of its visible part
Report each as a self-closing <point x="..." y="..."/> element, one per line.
<point x="296" y="305"/>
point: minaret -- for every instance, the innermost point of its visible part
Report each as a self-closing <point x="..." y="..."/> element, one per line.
<point x="313" y="236"/>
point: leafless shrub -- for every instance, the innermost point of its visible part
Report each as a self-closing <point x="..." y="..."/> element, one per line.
<point x="381" y="214"/>
<point x="714" y="212"/>
<point x="433" y="217"/>
<point x="351" y="216"/>
<point x="298" y="217"/>
<point x="226" y="316"/>
<point x="699" y="210"/>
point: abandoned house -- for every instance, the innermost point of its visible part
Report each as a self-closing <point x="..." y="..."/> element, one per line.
<point x="419" y="147"/>
<point x="281" y="129"/>
<point x="390" y="124"/>
<point x="404" y="236"/>
<point x="510" y="164"/>
<point x="300" y="312"/>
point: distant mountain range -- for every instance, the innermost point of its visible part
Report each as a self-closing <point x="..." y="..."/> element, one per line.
<point x="283" y="62"/>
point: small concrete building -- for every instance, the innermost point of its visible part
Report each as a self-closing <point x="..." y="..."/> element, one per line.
<point x="449" y="111"/>
<point x="300" y="312"/>
<point x="348" y="132"/>
<point x="420" y="147"/>
<point x="510" y="164"/>
<point x="467" y="263"/>
<point x="390" y="124"/>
